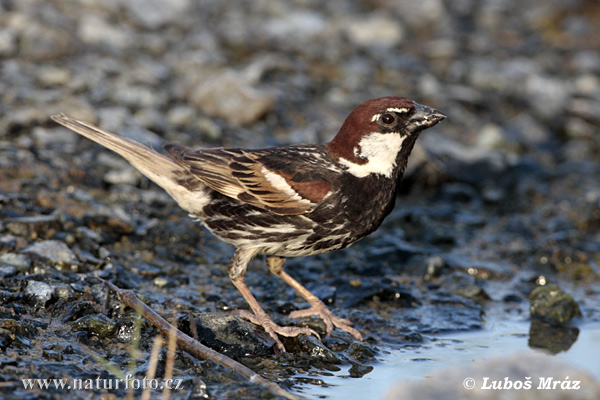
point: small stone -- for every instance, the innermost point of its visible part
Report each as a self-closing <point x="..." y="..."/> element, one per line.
<point x="53" y="76"/>
<point x="229" y="96"/>
<point x="301" y="25"/>
<point x="64" y="291"/>
<point x="8" y="42"/>
<point x="19" y="261"/>
<point x="230" y="335"/>
<point x="7" y="271"/>
<point x="39" y="40"/>
<point x="552" y="305"/>
<point x="96" y="31"/>
<point x="53" y="137"/>
<point x="314" y="348"/>
<point x="153" y="14"/>
<point x="41" y="292"/>
<point x="98" y="324"/>
<point x="125" y="176"/>
<point x="52" y="251"/>
<point x="375" y="31"/>
<point x="84" y="232"/>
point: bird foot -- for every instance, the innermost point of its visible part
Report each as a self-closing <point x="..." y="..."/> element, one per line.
<point x="320" y="310"/>
<point x="273" y="329"/>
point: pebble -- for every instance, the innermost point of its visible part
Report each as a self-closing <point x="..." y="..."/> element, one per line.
<point x="97" y="31"/>
<point x="41" y="292"/>
<point x="8" y="42"/>
<point x="98" y="324"/>
<point x="7" y="271"/>
<point x="19" y="261"/>
<point x="230" y="335"/>
<point x="374" y="31"/>
<point x="52" y="251"/>
<point x="553" y="305"/>
<point x="229" y="96"/>
<point x="153" y="14"/>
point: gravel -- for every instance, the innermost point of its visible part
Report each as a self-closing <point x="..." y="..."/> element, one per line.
<point x="500" y="199"/>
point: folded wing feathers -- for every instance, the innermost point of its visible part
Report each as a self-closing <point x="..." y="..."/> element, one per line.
<point x="238" y="174"/>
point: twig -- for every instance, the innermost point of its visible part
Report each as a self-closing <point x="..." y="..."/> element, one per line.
<point x="194" y="347"/>
<point x="171" y="347"/>
<point x="158" y="341"/>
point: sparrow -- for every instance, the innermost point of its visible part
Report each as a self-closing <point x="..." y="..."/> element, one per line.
<point x="287" y="201"/>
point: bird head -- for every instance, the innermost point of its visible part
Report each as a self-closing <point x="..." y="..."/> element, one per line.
<point x="379" y="134"/>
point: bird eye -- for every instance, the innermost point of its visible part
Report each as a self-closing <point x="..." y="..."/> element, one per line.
<point x="388" y="118"/>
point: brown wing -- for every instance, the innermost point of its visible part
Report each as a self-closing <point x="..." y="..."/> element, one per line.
<point x="280" y="180"/>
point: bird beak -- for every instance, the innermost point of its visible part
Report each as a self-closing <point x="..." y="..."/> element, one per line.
<point x="424" y="117"/>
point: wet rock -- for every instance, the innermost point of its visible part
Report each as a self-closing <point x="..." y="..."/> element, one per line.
<point x="554" y="339"/>
<point x="75" y="310"/>
<point x="313" y="348"/>
<point x="40" y="292"/>
<point x="358" y="370"/>
<point x="552" y="305"/>
<point x="230" y="335"/>
<point x="199" y="391"/>
<point x="379" y="292"/>
<point x="464" y="285"/>
<point x="52" y="251"/>
<point x="97" y="324"/>
<point x="361" y="353"/>
<point x="481" y="269"/>
<point x="444" y="312"/>
<point x="63" y="291"/>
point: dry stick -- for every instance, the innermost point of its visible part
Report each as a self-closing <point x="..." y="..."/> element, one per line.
<point x="170" y="359"/>
<point x="158" y="341"/>
<point x="194" y="347"/>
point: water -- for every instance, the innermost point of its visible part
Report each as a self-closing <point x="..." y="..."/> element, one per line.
<point x="453" y="350"/>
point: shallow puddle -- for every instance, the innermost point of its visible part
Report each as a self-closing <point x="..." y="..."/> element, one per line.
<point x="453" y="350"/>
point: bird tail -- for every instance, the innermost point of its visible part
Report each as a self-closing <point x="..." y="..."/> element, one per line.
<point x="157" y="167"/>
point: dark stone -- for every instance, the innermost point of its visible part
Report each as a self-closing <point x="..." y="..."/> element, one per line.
<point x="552" y="305"/>
<point x="98" y="324"/>
<point x="230" y="335"/>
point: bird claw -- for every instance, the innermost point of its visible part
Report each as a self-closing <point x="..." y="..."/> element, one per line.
<point x="321" y="311"/>
<point x="272" y="329"/>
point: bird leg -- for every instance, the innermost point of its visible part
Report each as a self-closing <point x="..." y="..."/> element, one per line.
<point x="237" y="269"/>
<point x="317" y="308"/>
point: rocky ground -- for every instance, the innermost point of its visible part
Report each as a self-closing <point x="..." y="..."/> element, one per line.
<point x="501" y="198"/>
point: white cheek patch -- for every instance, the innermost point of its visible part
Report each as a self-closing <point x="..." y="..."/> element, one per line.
<point x="380" y="150"/>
